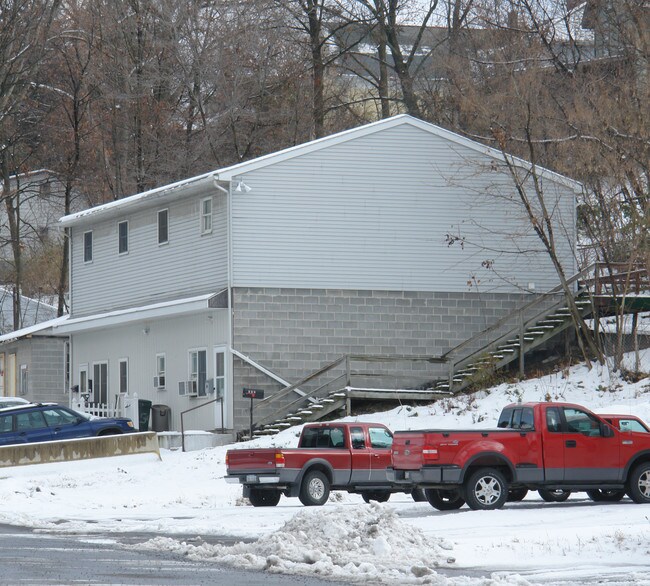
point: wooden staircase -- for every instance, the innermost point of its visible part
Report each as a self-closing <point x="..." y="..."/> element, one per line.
<point x="521" y="332"/>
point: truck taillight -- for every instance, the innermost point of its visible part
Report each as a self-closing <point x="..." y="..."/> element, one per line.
<point x="226" y="459"/>
<point x="279" y="460"/>
<point x="429" y="453"/>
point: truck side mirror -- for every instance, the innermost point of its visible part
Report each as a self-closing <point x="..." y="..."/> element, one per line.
<point x="606" y="430"/>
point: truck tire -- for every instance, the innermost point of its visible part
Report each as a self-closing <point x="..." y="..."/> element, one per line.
<point x="381" y="496"/>
<point x="417" y="494"/>
<point x="260" y="497"/>
<point x="554" y="496"/>
<point x="486" y="489"/>
<point x="605" y="496"/>
<point x="444" y="499"/>
<point x="638" y="488"/>
<point x="315" y="489"/>
<point x="516" y="495"/>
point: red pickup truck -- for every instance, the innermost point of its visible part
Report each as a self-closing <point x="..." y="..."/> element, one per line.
<point x="329" y="456"/>
<point x="554" y="448"/>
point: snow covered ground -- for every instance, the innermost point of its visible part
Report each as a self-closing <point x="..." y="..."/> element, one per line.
<point x="399" y="542"/>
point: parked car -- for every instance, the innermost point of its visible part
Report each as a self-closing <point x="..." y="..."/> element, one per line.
<point x="48" y="422"/>
<point x="12" y="402"/>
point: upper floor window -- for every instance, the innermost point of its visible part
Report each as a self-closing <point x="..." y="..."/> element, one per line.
<point x="206" y="215"/>
<point x="88" y="246"/>
<point x="123" y="237"/>
<point x="163" y="226"/>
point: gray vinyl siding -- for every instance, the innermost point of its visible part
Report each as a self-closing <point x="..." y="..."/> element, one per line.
<point x="188" y="264"/>
<point x="139" y="343"/>
<point x="375" y="212"/>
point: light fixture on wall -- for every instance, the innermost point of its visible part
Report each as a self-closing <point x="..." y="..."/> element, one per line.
<point x="242" y="187"/>
<point x="145" y="330"/>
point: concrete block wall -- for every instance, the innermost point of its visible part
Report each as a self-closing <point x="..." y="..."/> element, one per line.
<point x="293" y="332"/>
<point x="47" y="371"/>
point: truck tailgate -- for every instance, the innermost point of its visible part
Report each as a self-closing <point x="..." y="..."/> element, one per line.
<point x="250" y="460"/>
<point x="406" y="451"/>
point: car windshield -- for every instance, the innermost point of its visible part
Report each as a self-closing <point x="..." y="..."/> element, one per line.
<point x="86" y="416"/>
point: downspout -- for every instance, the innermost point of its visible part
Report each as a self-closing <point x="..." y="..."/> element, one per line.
<point x="229" y="365"/>
<point x="70" y="344"/>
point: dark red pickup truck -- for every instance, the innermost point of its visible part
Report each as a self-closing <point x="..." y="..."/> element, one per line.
<point x="329" y="456"/>
<point x="554" y="448"/>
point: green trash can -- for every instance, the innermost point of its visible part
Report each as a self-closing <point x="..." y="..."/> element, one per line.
<point x="144" y="410"/>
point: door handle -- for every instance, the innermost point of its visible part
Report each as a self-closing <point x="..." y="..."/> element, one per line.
<point x="571" y="444"/>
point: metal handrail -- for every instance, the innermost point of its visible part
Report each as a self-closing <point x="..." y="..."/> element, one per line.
<point x="194" y="409"/>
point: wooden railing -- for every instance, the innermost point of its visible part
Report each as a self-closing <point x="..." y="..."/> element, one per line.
<point x="593" y="280"/>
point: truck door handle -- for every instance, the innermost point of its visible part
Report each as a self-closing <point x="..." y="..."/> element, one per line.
<point x="571" y="444"/>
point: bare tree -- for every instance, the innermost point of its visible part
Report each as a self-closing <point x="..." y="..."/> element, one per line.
<point x="24" y="30"/>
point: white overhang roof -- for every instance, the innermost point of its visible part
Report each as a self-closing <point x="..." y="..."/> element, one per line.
<point x="172" y="308"/>
<point x="44" y="328"/>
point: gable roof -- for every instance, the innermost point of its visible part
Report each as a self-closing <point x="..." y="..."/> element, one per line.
<point x="226" y="174"/>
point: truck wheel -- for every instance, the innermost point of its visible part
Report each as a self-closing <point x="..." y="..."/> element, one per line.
<point x="554" y="496"/>
<point x="381" y="496"/>
<point x="516" y="495"/>
<point x="417" y="494"/>
<point x="315" y="489"/>
<point x="639" y="484"/>
<point x="605" y="496"/>
<point x="264" y="498"/>
<point x="486" y="489"/>
<point x="444" y="499"/>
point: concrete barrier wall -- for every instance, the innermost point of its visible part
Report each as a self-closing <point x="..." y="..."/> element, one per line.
<point x="79" y="449"/>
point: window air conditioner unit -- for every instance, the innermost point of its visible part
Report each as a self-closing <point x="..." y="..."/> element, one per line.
<point x="191" y="387"/>
<point x="159" y="382"/>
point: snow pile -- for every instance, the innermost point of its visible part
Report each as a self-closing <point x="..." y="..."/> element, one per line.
<point x="361" y="544"/>
<point x="527" y="542"/>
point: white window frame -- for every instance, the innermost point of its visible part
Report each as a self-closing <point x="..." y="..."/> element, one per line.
<point x="220" y="380"/>
<point x="195" y="376"/>
<point x="206" y="216"/>
<point x="83" y="378"/>
<point x="23" y="381"/>
<point x="123" y="389"/>
<point x="124" y="223"/>
<point x="166" y="211"/>
<point x="88" y="259"/>
<point x="161" y="368"/>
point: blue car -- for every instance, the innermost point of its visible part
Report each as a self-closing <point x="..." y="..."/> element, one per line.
<point x="49" y="422"/>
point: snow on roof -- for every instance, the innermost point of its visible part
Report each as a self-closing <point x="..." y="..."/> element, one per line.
<point x="173" y="307"/>
<point x="35" y="329"/>
<point x="228" y="173"/>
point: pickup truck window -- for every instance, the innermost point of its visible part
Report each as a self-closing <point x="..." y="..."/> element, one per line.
<point x="553" y="421"/>
<point x="380" y="437"/>
<point x="581" y="422"/>
<point x="323" y="437"/>
<point x="358" y="440"/>
<point x="631" y="425"/>
<point x="517" y="418"/>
